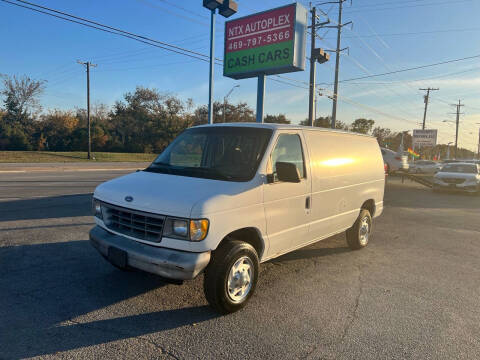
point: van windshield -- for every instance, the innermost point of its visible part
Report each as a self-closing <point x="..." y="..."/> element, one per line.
<point x="221" y="153"/>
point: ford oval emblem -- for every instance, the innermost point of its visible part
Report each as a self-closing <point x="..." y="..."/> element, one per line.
<point x="128" y="198"/>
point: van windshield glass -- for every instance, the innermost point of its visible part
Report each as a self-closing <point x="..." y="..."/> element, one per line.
<point x="221" y="153"/>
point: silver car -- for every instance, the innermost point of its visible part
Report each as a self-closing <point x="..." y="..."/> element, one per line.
<point x="425" y="167"/>
<point x="458" y="176"/>
<point x="395" y="161"/>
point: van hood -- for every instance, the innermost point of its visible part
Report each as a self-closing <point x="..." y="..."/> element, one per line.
<point x="164" y="194"/>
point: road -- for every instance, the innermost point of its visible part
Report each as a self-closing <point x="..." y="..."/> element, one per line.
<point x="413" y="293"/>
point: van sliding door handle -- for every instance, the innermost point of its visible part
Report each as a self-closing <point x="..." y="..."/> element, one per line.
<point x="307" y="202"/>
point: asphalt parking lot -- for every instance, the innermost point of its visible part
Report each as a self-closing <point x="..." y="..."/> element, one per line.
<point x="413" y="293"/>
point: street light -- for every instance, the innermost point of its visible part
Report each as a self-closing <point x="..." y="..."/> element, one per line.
<point x="226" y="8"/>
<point x="225" y="100"/>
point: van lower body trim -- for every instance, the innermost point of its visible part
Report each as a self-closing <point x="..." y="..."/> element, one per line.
<point x="168" y="263"/>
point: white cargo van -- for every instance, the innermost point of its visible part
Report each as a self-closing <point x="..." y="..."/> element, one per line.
<point x="224" y="198"/>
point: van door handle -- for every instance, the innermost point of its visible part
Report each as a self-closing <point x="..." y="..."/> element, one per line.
<point x="307" y="202"/>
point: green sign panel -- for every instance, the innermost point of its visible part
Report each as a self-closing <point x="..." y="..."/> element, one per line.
<point x="271" y="42"/>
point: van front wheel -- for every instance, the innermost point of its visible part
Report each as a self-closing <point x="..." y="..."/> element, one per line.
<point x="231" y="277"/>
<point x="359" y="234"/>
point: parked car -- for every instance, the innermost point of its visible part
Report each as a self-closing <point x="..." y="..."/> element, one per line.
<point x="223" y="198"/>
<point x="395" y="161"/>
<point x="458" y="176"/>
<point x="471" y="161"/>
<point x="449" y="161"/>
<point x="425" y="167"/>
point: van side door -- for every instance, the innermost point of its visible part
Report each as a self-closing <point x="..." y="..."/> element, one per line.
<point x="286" y="204"/>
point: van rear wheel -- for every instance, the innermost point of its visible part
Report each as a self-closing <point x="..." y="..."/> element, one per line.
<point x="231" y="277"/>
<point x="359" y="234"/>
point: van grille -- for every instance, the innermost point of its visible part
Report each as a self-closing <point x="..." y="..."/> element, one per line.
<point x="134" y="223"/>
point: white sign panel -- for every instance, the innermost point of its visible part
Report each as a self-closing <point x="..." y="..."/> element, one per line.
<point x="424" y="137"/>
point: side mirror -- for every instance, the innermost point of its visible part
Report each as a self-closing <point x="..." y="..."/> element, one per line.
<point x="287" y="172"/>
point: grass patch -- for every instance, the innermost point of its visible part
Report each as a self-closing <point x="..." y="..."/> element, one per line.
<point x="74" y="156"/>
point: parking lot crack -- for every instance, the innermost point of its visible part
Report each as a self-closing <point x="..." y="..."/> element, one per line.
<point x="164" y="351"/>
<point x="354" y="313"/>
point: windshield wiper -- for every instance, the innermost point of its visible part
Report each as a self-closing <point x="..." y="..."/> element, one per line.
<point x="213" y="172"/>
<point x="159" y="167"/>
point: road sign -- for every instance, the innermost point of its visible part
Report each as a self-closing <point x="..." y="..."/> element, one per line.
<point x="424" y="137"/>
<point x="266" y="43"/>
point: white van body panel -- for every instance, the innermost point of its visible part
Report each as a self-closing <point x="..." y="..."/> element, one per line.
<point x="347" y="170"/>
<point x="284" y="204"/>
<point x="342" y="171"/>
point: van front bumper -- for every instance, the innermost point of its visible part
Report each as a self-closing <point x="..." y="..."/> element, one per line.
<point x="168" y="263"/>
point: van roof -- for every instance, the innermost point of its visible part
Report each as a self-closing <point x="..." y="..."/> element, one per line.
<point x="281" y="127"/>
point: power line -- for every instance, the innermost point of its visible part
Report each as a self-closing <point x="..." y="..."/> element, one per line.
<point x="285" y="80"/>
<point x="112" y="30"/>
<point x="184" y="9"/>
<point x="412" y="33"/>
<point x="376" y="8"/>
<point x="406" y="69"/>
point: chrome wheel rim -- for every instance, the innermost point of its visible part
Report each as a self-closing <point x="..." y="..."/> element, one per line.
<point x="240" y="279"/>
<point x="364" y="231"/>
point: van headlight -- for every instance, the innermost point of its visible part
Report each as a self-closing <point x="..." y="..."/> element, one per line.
<point x="198" y="229"/>
<point x="183" y="229"/>
<point x="176" y="228"/>
<point x="97" y="209"/>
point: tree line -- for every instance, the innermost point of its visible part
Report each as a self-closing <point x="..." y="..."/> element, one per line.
<point x="143" y="121"/>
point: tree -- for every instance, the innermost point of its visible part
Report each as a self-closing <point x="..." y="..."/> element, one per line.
<point x="233" y="113"/>
<point x="362" y="126"/>
<point x="276" y="119"/>
<point x="20" y="102"/>
<point x="58" y="128"/>
<point x="21" y="97"/>
<point x="147" y="121"/>
<point x="382" y="134"/>
<point x="325" y="122"/>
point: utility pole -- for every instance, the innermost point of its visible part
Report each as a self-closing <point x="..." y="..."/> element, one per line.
<point x="337" y="62"/>
<point x="426" y="97"/>
<point x="316" y="55"/>
<point x="211" y="67"/>
<point x="459" y="105"/>
<point x="313" y="70"/>
<point x="88" y="64"/>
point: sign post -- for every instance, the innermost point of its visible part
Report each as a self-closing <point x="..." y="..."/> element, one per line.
<point x="260" y="97"/>
<point x="266" y="43"/>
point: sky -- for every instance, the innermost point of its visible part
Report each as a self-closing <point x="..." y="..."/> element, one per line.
<point x="386" y="36"/>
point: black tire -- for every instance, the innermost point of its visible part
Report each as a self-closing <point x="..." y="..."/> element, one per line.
<point x="215" y="282"/>
<point x="354" y="235"/>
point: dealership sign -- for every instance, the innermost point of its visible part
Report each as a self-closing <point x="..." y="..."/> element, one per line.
<point x="266" y="43"/>
<point x="424" y="137"/>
